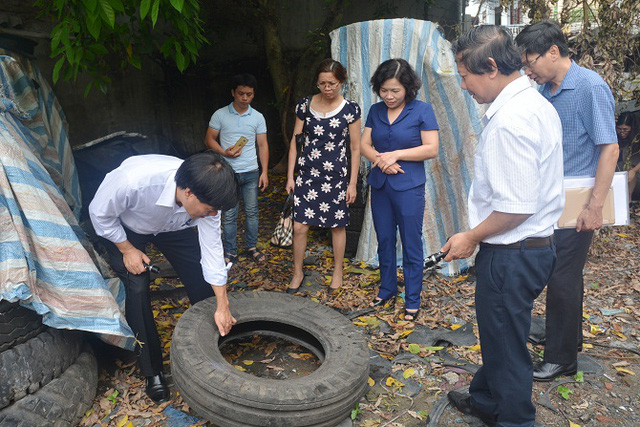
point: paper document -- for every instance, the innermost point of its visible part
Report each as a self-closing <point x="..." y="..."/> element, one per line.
<point x="578" y="191"/>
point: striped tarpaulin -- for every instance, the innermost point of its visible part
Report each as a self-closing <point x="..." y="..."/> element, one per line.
<point x="361" y="47"/>
<point x="46" y="261"/>
<point x="47" y="128"/>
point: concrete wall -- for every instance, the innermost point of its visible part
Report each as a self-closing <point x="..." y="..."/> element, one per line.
<point x="174" y="108"/>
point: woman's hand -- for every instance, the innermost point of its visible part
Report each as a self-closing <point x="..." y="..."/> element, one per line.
<point x="290" y="185"/>
<point x="385" y="160"/>
<point x="352" y="192"/>
<point x="393" y="169"/>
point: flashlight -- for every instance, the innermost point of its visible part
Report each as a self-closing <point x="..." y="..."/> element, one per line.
<point x="152" y="268"/>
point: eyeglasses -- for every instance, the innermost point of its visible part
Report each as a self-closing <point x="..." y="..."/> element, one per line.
<point x="329" y="85"/>
<point x="530" y="64"/>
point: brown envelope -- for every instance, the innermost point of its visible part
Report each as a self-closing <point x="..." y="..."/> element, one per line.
<point x="576" y="199"/>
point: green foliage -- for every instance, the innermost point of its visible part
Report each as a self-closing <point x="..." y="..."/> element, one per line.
<point x="565" y="392"/>
<point x="356" y="411"/>
<point x="100" y="37"/>
<point x="579" y="377"/>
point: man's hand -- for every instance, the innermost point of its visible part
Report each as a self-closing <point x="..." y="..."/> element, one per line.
<point x="134" y="260"/>
<point x="231" y="152"/>
<point x="459" y="246"/>
<point x="223" y="316"/>
<point x="589" y="219"/>
<point x="263" y="181"/>
<point x="224" y="320"/>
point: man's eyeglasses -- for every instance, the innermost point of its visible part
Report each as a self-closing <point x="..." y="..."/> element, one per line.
<point x="528" y="65"/>
<point x="329" y="85"/>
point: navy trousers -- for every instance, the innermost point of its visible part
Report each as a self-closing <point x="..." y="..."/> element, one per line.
<point x="564" y="297"/>
<point x="403" y="210"/>
<point x="508" y="281"/>
<point x="182" y="250"/>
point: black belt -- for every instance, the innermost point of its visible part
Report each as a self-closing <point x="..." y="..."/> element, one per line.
<point x="528" y="243"/>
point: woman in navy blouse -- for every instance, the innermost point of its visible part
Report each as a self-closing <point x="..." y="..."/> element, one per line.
<point x="399" y="135"/>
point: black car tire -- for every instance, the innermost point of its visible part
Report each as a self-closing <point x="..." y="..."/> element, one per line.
<point x="60" y="403"/>
<point x="27" y="367"/>
<point x="17" y="325"/>
<point x="228" y="397"/>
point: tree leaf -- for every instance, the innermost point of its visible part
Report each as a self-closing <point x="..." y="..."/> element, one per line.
<point x="408" y="373"/>
<point x="135" y="62"/>
<point x="94" y="26"/>
<point x="177" y="5"/>
<point x="145" y="5"/>
<point x="154" y="12"/>
<point x="191" y="47"/>
<point x="414" y="348"/>
<point x="107" y="13"/>
<point x="180" y="61"/>
<point x="392" y="382"/>
<point x="90" y="5"/>
<point x="117" y="5"/>
<point x="56" y="33"/>
<point x="56" y="69"/>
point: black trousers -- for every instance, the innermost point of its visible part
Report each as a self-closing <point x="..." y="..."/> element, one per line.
<point x="564" y="297"/>
<point x="182" y="250"/>
<point x="508" y="281"/>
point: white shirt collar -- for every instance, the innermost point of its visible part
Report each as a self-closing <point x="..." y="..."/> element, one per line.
<point x="509" y="91"/>
<point x="168" y="196"/>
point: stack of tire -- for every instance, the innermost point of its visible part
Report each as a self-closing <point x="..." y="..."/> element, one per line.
<point x="48" y="377"/>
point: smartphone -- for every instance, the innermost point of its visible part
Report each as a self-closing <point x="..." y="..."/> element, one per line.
<point x="241" y="142"/>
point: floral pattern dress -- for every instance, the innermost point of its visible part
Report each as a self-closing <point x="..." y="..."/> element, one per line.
<point x="320" y="192"/>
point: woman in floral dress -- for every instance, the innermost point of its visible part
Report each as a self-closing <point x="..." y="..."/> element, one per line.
<point x="323" y="188"/>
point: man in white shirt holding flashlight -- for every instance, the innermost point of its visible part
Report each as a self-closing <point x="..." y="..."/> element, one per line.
<point x="160" y="199"/>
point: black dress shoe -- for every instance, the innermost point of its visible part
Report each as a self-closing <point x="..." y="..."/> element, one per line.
<point x="462" y="402"/>
<point x="545" y="371"/>
<point x="157" y="388"/>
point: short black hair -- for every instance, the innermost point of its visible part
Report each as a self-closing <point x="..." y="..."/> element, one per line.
<point x="475" y="47"/>
<point x="244" y="79"/>
<point x="539" y="37"/>
<point x="331" y="66"/>
<point x="401" y="70"/>
<point x="210" y="178"/>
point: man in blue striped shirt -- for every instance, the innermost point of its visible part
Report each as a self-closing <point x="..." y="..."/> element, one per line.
<point x="585" y="105"/>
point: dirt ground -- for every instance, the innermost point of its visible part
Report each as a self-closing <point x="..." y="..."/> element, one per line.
<point x="414" y="364"/>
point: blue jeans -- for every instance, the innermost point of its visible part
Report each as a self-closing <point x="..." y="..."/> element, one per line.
<point x="248" y="183"/>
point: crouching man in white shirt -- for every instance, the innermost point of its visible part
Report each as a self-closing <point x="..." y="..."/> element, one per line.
<point x="161" y="199"/>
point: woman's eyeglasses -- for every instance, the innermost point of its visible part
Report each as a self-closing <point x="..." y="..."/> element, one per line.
<point x="328" y="85"/>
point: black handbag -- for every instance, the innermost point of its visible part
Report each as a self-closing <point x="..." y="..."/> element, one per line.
<point x="283" y="233"/>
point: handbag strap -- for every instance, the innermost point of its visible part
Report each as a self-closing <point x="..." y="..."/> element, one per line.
<point x="307" y="114"/>
<point x="300" y="147"/>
